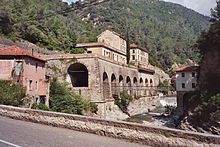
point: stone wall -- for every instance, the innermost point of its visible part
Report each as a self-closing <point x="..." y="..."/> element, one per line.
<point x="154" y="136"/>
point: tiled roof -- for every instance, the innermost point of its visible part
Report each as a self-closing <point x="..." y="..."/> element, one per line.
<point x="98" y="44"/>
<point x="135" y="46"/>
<point x="187" y="68"/>
<point x="16" y="51"/>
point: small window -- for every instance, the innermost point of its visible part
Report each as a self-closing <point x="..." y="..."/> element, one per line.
<point x="193" y="74"/>
<point x="133" y="57"/>
<point x="89" y="52"/>
<point x="183" y="75"/>
<point x="36" y="85"/>
<point x="30" y="85"/>
<point x="133" y="51"/>
<point x="183" y="85"/>
<point x="36" y="66"/>
<point x="193" y="85"/>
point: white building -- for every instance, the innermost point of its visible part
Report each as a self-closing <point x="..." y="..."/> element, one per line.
<point x="186" y="81"/>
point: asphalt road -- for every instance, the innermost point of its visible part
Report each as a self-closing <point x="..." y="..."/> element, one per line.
<point x="16" y="133"/>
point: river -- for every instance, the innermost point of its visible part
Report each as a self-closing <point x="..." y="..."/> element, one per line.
<point x="156" y="116"/>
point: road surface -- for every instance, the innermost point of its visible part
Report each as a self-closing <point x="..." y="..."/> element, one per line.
<point x="16" y="133"/>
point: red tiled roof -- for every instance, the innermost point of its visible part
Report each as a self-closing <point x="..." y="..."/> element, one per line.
<point x="187" y="68"/>
<point x="16" y="51"/>
<point x="93" y="44"/>
<point x="135" y="46"/>
<point x="98" y="44"/>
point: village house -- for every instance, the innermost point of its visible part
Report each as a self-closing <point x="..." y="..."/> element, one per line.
<point x="109" y="44"/>
<point x="24" y="67"/>
<point x="186" y="81"/>
<point x="138" y="56"/>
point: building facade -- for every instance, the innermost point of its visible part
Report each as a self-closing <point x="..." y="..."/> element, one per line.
<point x="186" y="81"/>
<point x="138" y="56"/>
<point x="22" y="66"/>
<point x="110" y="45"/>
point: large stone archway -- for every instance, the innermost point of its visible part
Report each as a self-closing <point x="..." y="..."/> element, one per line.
<point x="78" y="75"/>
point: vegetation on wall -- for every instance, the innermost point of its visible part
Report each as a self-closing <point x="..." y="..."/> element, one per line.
<point x="123" y="101"/>
<point x="62" y="99"/>
<point x="11" y="93"/>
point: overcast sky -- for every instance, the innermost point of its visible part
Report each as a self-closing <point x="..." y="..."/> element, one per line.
<point x="201" y="6"/>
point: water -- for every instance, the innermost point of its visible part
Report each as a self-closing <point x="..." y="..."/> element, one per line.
<point x="154" y="114"/>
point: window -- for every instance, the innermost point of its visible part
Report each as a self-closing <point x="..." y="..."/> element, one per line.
<point x="133" y="51"/>
<point x="183" y="85"/>
<point x="36" y="66"/>
<point x="133" y="57"/>
<point x="193" y="85"/>
<point x="89" y="52"/>
<point x="193" y="74"/>
<point x="36" y="85"/>
<point x="183" y="75"/>
<point x="30" y="85"/>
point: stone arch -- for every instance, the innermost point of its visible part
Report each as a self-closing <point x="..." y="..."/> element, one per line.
<point x="114" y="85"/>
<point x="152" y="92"/>
<point x="121" y="83"/>
<point x="151" y="83"/>
<point x="135" y="86"/>
<point x="146" y="87"/>
<point x="78" y="74"/>
<point x="106" y="86"/>
<point x="135" y="81"/>
<point x="141" y="86"/>
<point x="128" y="84"/>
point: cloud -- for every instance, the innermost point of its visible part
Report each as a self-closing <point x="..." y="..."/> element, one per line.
<point x="201" y="6"/>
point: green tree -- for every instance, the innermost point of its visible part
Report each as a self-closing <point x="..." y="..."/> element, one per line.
<point x="62" y="99"/>
<point x="11" y="93"/>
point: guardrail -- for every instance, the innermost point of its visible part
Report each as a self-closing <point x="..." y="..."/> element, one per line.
<point x="154" y="136"/>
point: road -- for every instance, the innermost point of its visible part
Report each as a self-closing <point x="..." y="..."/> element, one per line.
<point x="16" y="133"/>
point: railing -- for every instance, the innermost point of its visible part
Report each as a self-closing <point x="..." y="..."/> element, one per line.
<point x="136" y="91"/>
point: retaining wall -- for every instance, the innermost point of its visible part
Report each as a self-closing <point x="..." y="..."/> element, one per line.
<point x="154" y="136"/>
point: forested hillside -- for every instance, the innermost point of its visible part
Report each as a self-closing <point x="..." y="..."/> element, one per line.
<point x="167" y="30"/>
<point x="26" y="19"/>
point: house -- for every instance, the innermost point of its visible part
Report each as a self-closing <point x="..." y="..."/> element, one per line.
<point x="26" y="68"/>
<point x="110" y="45"/>
<point x="138" y="55"/>
<point x="186" y="81"/>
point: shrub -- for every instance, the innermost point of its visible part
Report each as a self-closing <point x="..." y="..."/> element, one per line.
<point x="62" y="99"/>
<point x="40" y="107"/>
<point x="11" y="93"/>
<point x="124" y="101"/>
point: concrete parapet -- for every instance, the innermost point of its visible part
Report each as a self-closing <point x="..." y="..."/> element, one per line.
<point x="154" y="136"/>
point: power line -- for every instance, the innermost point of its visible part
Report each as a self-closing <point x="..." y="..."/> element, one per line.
<point x="81" y="6"/>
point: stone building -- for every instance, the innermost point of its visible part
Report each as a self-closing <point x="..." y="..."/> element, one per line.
<point x="22" y="66"/>
<point x="138" y="56"/>
<point x="102" y="73"/>
<point x="186" y="81"/>
<point x="110" y="45"/>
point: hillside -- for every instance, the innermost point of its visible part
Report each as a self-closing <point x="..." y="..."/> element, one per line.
<point x="22" y="19"/>
<point x="168" y="30"/>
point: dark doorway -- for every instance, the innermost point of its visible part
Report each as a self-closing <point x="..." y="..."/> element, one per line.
<point x="78" y="74"/>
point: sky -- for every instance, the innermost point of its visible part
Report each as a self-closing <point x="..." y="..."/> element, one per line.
<point x="201" y="6"/>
